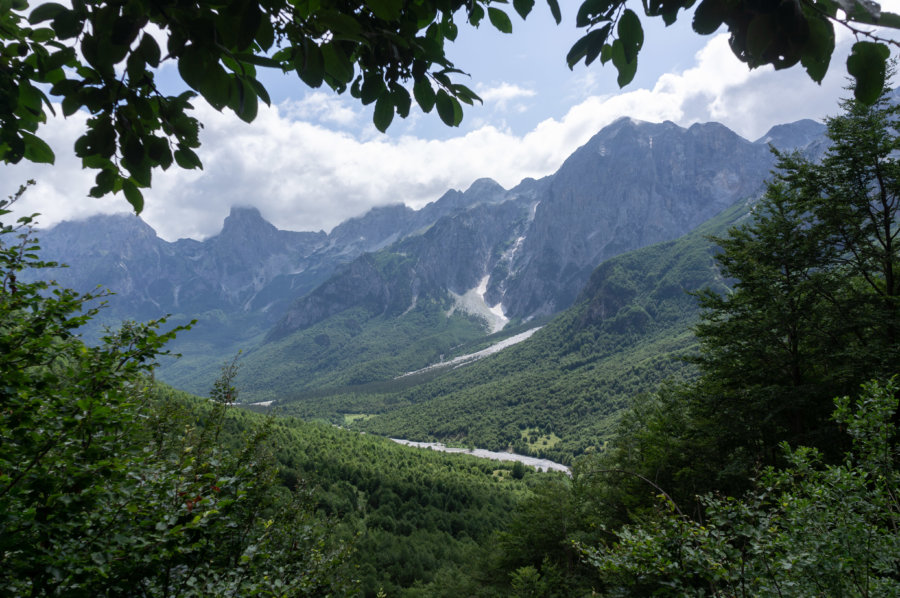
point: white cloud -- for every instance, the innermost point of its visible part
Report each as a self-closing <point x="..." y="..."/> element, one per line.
<point x="504" y="93"/>
<point x="321" y="107"/>
<point x="305" y="176"/>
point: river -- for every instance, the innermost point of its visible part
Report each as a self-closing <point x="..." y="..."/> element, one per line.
<point x="539" y="464"/>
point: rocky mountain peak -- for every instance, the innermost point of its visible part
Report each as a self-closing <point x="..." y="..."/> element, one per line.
<point x="633" y="184"/>
<point x="101" y="231"/>
<point x="795" y="135"/>
<point x="244" y="219"/>
<point x="485" y="188"/>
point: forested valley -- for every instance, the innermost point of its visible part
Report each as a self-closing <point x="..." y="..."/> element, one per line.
<point x="726" y="401"/>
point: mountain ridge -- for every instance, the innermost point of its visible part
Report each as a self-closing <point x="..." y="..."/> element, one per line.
<point x="532" y="247"/>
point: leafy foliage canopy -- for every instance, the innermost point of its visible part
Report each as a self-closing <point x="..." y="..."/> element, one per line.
<point x="102" y="57"/>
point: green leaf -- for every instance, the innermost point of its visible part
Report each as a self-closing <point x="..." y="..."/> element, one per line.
<point x="523" y="7"/>
<point x="424" y="94"/>
<point x="216" y="87"/>
<point x="448" y="109"/>
<point x="247" y="106"/>
<point x="158" y="151"/>
<point x="258" y="60"/>
<point x="37" y="150"/>
<point x="149" y="50"/>
<point x="401" y="100"/>
<point x="340" y="24"/>
<point x="337" y="64"/>
<point x="760" y="34"/>
<point x="464" y="94"/>
<point x="124" y="31"/>
<point x="596" y="42"/>
<point x="867" y="64"/>
<point x="135" y="66"/>
<point x="626" y="68"/>
<point x="193" y="66"/>
<point x="589" y="10"/>
<point x="312" y="66"/>
<point x="66" y="24"/>
<point x="577" y="52"/>
<point x="258" y="88"/>
<point x="387" y="10"/>
<point x="861" y="11"/>
<point x="97" y="162"/>
<point x="709" y="16"/>
<point x="384" y="112"/>
<point x="139" y="171"/>
<point x="187" y="159"/>
<point x="105" y="181"/>
<point x="476" y="14"/>
<point x="631" y="34"/>
<point x="371" y="89"/>
<point x="606" y="54"/>
<point x="500" y="20"/>
<point x="265" y="34"/>
<point x="554" y="10"/>
<point x="30" y="97"/>
<point x="133" y="195"/>
<point x="46" y="12"/>
<point x="818" y="49"/>
<point x="132" y="149"/>
<point x="450" y="30"/>
<point x="71" y="104"/>
<point x="248" y="23"/>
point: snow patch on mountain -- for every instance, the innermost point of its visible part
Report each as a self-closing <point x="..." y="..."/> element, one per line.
<point x="472" y="357"/>
<point x="472" y="302"/>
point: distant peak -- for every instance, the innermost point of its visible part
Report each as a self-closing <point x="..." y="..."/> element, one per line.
<point x="630" y="126"/>
<point x="793" y="135"/>
<point x="485" y="184"/>
<point x="116" y="220"/>
<point x="628" y="120"/>
<point x="391" y="208"/>
<point x="244" y="212"/>
<point x="708" y="126"/>
<point x="245" y="217"/>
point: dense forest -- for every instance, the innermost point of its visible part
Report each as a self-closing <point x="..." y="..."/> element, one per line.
<point x="765" y="465"/>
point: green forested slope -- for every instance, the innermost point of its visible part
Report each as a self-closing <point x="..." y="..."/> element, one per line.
<point x="407" y="514"/>
<point x="356" y="346"/>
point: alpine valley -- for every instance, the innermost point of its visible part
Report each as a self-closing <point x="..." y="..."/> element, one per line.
<point x="353" y="326"/>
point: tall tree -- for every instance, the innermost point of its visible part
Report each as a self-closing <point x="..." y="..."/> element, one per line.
<point x="813" y="311"/>
<point x="764" y="346"/>
<point x="854" y="200"/>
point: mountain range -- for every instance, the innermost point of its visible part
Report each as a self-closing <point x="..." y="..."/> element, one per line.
<point x="396" y="289"/>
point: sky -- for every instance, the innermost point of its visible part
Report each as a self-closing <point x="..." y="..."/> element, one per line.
<point x="313" y="159"/>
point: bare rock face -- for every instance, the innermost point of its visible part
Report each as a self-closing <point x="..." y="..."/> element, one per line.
<point x="797" y="135"/>
<point x="631" y="185"/>
<point x="249" y="267"/>
<point x="151" y="277"/>
<point x="453" y="254"/>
